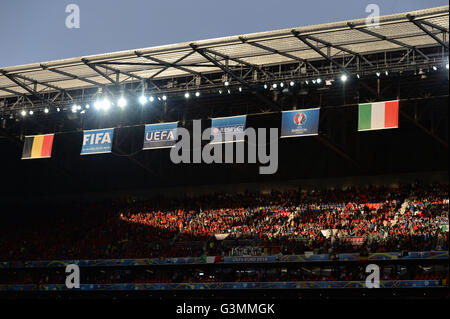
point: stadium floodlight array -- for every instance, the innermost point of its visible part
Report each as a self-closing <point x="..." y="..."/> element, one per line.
<point x="122" y="102"/>
<point x="104" y="103"/>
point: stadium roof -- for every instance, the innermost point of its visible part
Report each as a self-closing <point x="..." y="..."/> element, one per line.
<point x="331" y="43"/>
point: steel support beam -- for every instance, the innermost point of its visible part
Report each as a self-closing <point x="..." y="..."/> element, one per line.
<point x="421" y="27"/>
<point x="326" y="57"/>
<point x="103" y="74"/>
<point x="131" y="75"/>
<point x="435" y="26"/>
<point x="274" y="51"/>
<point x="54" y="87"/>
<point x="222" y="67"/>
<point x="173" y="65"/>
<point x="167" y="67"/>
<point x="382" y="37"/>
<point x="25" y="87"/>
<point x="22" y="85"/>
<point x="193" y="65"/>
<point x="338" y="47"/>
<point x="234" y="76"/>
<point x="12" y="92"/>
<point x="70" y="75"/>
<point x="240" y="61"/>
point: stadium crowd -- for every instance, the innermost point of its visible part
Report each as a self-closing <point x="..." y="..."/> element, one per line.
<point x="374" y="219"/>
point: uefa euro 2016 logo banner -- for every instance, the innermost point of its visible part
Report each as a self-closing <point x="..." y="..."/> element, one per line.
<point x="97" y="141"/>
<point x="161" y="135"/>
<point x="300" y="122"/>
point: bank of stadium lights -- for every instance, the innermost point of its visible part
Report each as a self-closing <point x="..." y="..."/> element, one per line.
<point x="121" y="102"/>
<point x="143" y="99"/>
<point x="102" y="104"/>
<point x="106" y="104"/>
<point x="75" y="108"/>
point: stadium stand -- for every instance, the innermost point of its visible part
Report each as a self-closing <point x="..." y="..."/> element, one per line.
<point x="377" y="219"/>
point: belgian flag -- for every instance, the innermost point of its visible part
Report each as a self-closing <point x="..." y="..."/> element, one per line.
<point x="39" y="146"/>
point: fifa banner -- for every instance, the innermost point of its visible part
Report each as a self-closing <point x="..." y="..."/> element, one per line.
<point x="300" y="123"/>
<point x="97" y="141"/>
<point x="160" y="135"/>
<point x="38" y="146"/>
<point x="377" y="116"/>
<point x="228" y="129"/>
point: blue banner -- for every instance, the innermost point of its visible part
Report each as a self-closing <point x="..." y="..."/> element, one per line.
<point x="161" y="135"/>
<point x="300" y="122"/>
<point x="97" y="141"/>
<point x="228" y="129"/>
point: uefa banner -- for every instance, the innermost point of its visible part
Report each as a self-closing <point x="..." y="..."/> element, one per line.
<point x="38" y="146"/>
<point x="161" y="135"/>
<point x="300" y="123"/>
<point x="228" y="129"/>
<point x="97" y="141"/>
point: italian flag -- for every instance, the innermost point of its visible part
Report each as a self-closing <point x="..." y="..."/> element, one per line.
<point x="377" y="116"/>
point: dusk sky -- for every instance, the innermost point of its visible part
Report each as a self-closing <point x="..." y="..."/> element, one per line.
<point x="35" y="31"/>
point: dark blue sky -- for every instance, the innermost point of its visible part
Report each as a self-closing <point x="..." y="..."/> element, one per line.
<point x="35" y="31"/>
